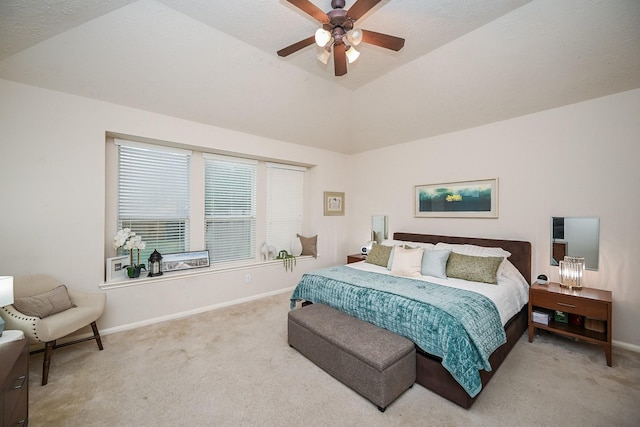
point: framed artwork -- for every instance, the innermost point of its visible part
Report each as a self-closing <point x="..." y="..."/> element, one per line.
<point x="333" y="203"/>
<point x="116" y="268"/>
<point x="185" y="260"/>
<point x="465" y="199"/>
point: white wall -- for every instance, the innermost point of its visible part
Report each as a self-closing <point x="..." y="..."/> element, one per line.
<point x="578" y="160"/>
<point x="52" y="175"/>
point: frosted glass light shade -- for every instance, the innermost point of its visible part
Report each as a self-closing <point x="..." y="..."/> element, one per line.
<point x="355" y="36"/>
<point x="352" y="54"/>
<point x="324" y="56"/>
<point x="322" y="37"/>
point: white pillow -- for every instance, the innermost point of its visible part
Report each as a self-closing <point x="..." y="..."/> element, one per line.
<point x="473" y="250"/>
<point x="407" y="262"/>
<point x="434" y="263"/>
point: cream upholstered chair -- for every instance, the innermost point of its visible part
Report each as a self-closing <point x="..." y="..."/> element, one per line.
<point x="87" y="308"/>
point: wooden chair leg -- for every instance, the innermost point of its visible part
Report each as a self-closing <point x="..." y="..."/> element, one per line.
<point x="48" y="349"/>
<point x="96" y="334"/>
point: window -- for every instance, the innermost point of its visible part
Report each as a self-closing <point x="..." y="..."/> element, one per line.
<point x="285" y="204"/>
<point x="153" y="195"/>
<point x="230" y="208"/>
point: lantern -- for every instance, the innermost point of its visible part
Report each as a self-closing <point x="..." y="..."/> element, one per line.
<point x="155" y="264"/>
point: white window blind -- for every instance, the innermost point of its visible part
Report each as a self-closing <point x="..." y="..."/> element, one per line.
<point x="153" y="196"/>
<point x="230" y="208"/>
<point x="285" y="204"/>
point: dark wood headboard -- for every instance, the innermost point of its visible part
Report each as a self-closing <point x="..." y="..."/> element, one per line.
<point x="520" y="250"/>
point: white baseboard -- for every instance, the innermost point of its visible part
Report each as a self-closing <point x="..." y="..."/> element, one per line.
<point x="187" y="313"/>
<point x="626" y="345"/>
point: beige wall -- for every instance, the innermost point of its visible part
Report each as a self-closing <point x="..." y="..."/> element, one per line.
<point x="52" y="170"/>
<point x="578" y="160"/>
<point x="573" y="161"/>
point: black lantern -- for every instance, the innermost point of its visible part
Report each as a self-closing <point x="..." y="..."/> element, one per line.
<point x="155" y="264"/>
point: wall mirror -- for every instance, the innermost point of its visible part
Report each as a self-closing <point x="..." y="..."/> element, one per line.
<point x="577" y="237"/>
<point x="379" y="228"/>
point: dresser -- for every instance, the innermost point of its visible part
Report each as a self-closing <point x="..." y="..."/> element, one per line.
<point x="14" y="377"/>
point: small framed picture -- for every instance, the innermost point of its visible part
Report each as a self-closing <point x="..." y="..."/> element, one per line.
<point x="116" y="268"/>
<point x="333" y="203"/>
<point x="185" y="260"/>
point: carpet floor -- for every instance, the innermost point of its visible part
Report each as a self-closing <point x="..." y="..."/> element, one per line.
<point x="233" y="367"/>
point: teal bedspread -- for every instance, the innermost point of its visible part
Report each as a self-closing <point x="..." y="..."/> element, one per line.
<point x="461" y="327"/>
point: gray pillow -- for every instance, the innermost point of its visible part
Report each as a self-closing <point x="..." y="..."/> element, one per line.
<point x="434" y="262"/>
<point x="473" y="268"/>
<point x="54" y="301"/>
<point x="309" y="245"/>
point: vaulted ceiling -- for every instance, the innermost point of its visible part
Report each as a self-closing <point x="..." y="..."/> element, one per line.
<point x="465" y="62"/>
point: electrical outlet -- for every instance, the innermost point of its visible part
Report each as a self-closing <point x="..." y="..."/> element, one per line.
<point x="247" y="278"/>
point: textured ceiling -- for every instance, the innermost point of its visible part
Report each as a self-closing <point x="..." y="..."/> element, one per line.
<point x="465" y="62"/>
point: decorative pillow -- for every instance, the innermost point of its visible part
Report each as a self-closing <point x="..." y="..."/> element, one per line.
<point x="407" y="262"/>
<point x="379" y="255"/>
<point x="46" y="304"/>
<point x="309" y="245"/>
<point x="434" y="263"/>
<point x="473" y="268"/>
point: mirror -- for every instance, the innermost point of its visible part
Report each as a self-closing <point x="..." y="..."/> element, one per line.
<point x="379" y="230"/>
<point x="577" y="237"/>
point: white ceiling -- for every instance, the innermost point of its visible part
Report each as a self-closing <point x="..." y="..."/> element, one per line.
<point x="465" y="62"/>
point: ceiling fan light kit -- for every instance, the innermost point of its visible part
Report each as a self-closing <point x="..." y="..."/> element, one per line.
<point x="338" y="33"/>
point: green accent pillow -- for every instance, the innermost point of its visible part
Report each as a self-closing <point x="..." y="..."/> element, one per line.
<point x="473" y="268"/>
<point x="46" y="304"/>
<point x="379" y="255"/>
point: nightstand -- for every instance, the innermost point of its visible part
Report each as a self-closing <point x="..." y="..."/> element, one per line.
<point x="588" y="302"/>
<point x="355" y="258"/>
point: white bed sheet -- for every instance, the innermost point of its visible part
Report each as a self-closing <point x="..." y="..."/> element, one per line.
<point x="509" y="295"/>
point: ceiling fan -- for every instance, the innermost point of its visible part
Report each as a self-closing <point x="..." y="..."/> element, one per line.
<point x="338" y="32"/>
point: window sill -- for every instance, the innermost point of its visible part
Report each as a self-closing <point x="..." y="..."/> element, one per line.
<point x="174" y="275"/>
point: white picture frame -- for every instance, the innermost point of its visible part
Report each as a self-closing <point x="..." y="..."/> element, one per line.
<point x="116" y="268"/>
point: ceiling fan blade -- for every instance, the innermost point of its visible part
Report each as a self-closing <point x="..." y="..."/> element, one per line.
<point x="339" y="59"/>
<point x="311" y="9"/>
<point x="360" y="7"/>
<point x="297" y="46"/>
<point x="382" y="40"/>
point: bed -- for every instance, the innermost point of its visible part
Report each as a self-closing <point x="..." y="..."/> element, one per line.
<point x="475" y="331"/>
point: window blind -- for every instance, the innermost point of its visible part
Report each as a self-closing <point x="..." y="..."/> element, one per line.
<point x="285" y="204"/>
<point x="153" y="196"/>
<point x="230" y="208"/>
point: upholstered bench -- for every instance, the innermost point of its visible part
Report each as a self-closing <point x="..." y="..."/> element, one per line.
<point x="374" y="362"/>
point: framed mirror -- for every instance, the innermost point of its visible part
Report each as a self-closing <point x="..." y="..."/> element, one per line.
<point x="379" y="228"/>
<point x="577" y="237"/>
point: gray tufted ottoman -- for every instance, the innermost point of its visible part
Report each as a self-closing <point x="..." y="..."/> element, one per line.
<point x="376" y="363"/>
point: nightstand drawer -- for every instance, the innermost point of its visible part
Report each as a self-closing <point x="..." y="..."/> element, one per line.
<point x="571" y="304"/>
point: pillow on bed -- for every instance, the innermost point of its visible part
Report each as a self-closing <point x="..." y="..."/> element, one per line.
<point x="379" y="255"/>
<point x="434" y="263"/>
<point x="44" y="305"/>
<point x="407" y="262"/>
<point x="473" y="268"/>
<point x="474" y="250"/>
<point x="309" y="245"/>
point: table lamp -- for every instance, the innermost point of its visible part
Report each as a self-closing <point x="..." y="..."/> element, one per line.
<point x="6" y="296"/>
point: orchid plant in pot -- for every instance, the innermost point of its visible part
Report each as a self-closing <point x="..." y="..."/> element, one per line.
<point x="128" y="240"/>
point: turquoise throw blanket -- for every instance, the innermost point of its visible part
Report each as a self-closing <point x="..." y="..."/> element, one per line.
<point x="461" y="327"/>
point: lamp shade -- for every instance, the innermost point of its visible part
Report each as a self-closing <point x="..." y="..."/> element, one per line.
<point x="355" y="36"/>
<point x="352" y="54"/>
<point x="6" y="290"/>
<point x="322" y="37"/>
<point x="324" y="56"/>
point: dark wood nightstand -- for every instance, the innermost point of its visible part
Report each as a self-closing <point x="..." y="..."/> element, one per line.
<point x="588" y="302"/>
<point x="355" y="258"/>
